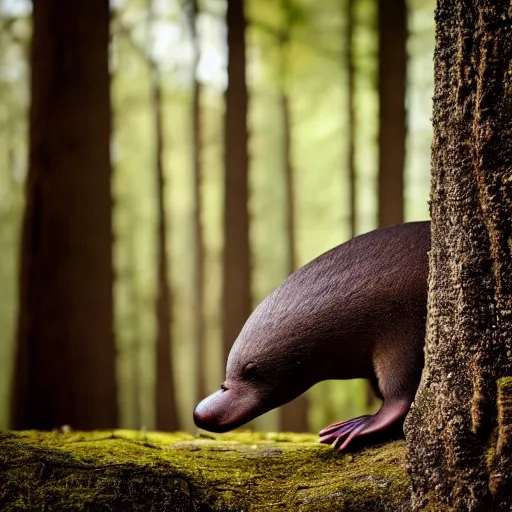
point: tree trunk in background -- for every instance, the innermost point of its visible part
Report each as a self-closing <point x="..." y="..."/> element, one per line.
<point x="392" y="123"/>
<point x="292" y="416"/>
<point x="236" y="296"/>
<point x="166" y="410"/>
<point x="370" y="397"/>
<point x="351" y="115"/>
<point x="289" y="182"/>
<point x="199" y="250"/>
<point x="65" y="365"/>
<point x="136" y="341"/>
<point x="456" y="461"/>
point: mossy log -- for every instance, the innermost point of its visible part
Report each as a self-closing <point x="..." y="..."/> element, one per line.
<point x="125" y="470"/>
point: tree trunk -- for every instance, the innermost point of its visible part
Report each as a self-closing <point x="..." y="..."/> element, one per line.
<point x="370" y="398"/>
<point x="166" y="411"/>
<point x="351" y="115"/>
<point x="236" y="298"/>
<point x="199" y="250"/>
<point x="453" y="451"/>
<point x="136" y="338"/>
<point x="392" y="125"/>
<point x="292" y="416"/>
<point x="65" y="364"/>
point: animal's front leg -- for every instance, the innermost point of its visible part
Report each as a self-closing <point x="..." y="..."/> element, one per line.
<point x="340" y="435"/>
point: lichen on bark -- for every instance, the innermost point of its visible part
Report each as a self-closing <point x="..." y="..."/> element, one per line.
<point x="469" y="327"/>
<point x="126" y="470"/>
<point x="500" y="454"/>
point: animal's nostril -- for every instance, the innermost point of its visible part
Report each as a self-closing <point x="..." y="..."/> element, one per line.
<point x="223" y="387"/>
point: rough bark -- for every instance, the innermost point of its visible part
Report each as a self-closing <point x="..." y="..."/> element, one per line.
<point x="392" y="124"/>
<point x="236" y="294"/>
<point x="65" y="364"/>
<point x="163" y="472"/>
<point x="199" y="249"/>
<point x="166" y="410"/>
<point x="469" y="329"/>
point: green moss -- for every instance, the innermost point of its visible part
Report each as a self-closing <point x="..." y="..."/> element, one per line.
<point x="505" y="383"/>
<point x="499" y="447"/>
<point x="125" y="470"/>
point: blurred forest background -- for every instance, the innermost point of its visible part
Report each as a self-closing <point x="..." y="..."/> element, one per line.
<point x="207" y="217"/>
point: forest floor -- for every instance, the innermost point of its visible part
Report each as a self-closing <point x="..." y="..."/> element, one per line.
<point x="151" y="471"/>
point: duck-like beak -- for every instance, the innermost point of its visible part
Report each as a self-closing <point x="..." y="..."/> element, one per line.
<point x="228" y="408"/>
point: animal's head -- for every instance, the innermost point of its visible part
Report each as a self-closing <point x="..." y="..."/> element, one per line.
<point x="273" y="361"/>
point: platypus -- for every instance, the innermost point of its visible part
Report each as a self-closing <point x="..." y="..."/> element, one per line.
<point x="356" y="311"/>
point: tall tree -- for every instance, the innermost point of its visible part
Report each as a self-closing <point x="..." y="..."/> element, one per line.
<point x="351" y="113"/>
<point x="134" y="320"/>
<point x="166" y="410"/>
<point x="236" y="299"/>
<point x="292" y="416"/>
<point x="392" y="17"/>
<point x="349" y="62"/>
<point x="65" y="363"/>
<point x="455" y="459"/>
<point x="199" y="250"/>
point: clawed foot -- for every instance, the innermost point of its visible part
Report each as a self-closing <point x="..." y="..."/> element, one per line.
<point x="389" y="417"/>
<point x="339" y="435"/>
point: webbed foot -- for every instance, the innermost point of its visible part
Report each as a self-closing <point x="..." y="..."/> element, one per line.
<point x="340" y="435"/>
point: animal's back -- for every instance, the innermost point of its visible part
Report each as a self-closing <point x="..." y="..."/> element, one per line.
<point x="386" y="264"/>
<point x="356" y="293"/>
<point x="389" y="256"/>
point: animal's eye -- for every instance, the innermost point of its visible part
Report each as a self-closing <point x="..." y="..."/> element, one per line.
<point x="250" y="371"/>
